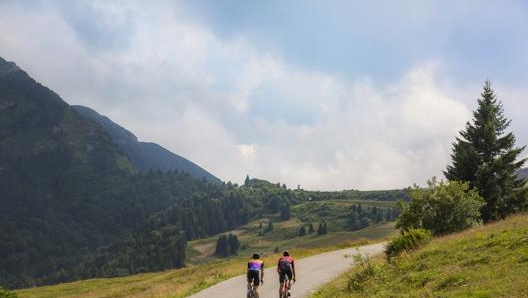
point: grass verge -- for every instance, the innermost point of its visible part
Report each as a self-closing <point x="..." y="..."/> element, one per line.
<point x="488" y="261"/>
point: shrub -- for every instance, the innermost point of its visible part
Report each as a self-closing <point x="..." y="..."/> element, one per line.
<point x="407" y="241"/>
<point x="365" y="272"/>
<point x="7" y="294"/>
<point x="442" y="208"/>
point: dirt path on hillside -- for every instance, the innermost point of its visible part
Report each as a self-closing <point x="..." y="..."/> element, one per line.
<point x="312" y="272"/>
<point x="205" y="251"/>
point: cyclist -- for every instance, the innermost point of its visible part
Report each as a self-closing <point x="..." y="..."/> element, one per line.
<point x="255" y="273"/>
<point x="286" y="266"/>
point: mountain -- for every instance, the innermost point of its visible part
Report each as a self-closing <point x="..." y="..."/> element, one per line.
<point x="74" y="204"/>
<point x="55" y="168"/>
<point x="68" y="193"/>
<point x="145" y="156"/>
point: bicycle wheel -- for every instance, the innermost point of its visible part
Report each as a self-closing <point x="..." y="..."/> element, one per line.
<point x="285" y="288"/>
<point x="251" y="290"/>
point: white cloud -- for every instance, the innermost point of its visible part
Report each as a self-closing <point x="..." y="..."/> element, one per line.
<point x="237" y="109"/>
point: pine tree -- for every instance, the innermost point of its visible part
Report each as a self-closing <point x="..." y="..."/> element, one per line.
<point x="270" y="226"/>
<point x="285" y="211"/>
<point x="310" y="228"/>
<point x="302" y="231"/>
<point x="485" y="156"/>
<point x="233" y="243"/>
<point x="222" y="246"/>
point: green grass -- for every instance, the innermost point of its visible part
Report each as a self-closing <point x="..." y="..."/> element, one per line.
<point x="488" y="261"/>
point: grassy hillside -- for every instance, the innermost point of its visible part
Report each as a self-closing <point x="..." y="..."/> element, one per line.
<point x="488" y="261"/>
<point x="180" y="283"/>
<point x="254" y="237"/>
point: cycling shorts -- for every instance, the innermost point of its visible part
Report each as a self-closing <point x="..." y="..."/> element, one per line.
<point x="255" y="276"/>
<point x="283" y="273"/>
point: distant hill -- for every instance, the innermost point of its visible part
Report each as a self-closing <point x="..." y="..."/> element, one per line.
<point x="145" y="156"/>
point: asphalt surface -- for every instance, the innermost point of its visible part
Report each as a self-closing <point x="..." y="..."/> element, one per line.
<point x="312" y="273"/>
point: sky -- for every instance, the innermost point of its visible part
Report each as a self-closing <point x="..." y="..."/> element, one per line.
<point x="321" y="95"/>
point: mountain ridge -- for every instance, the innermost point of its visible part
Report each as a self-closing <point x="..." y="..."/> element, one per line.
<point x="145" y="155"/>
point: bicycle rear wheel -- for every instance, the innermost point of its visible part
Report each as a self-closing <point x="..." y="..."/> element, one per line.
<point x="251" y="290"/>
<point x="285" y="288"/>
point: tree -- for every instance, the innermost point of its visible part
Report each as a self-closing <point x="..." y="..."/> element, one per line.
<point x="353" y="222"/>
<point x="302" y="231"/>
<point x="321" y="230"/>
<point x="441" y="208"/>
<point x="270" y="226"/>
<point x="485" y="156"/>
<point x="234" y="244"/>
<point x="222" y="246"/>
<point x="285" y="211"/>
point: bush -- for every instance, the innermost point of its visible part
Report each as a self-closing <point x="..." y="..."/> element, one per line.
<point x="366" y="271"/>
<point x="7" y="294"/>
<point x="407" y="241"/>
<point x="442" y="208"/>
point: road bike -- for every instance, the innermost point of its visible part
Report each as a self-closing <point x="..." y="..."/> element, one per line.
<point x="285" y="289"/>
<point x="251" y="289"/>
<point x="251" y="293"/>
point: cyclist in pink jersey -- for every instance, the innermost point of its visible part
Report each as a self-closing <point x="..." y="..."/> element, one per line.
<point x="286" y="267"/>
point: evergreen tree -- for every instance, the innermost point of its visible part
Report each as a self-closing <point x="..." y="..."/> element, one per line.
<point x="302" y="231"/>
<point x="310" y="228"/>
<point x="353" y="221"/>
<point x="222" y="246"/>
<point x="233" y="243"/>
<point x="485" y="156"/>
<point x="285" y="211"/>
<point x="321" y="230"/>
<point x="270" y="226"/>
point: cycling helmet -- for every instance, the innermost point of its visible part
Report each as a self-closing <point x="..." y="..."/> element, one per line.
<point x="256" y="256"/>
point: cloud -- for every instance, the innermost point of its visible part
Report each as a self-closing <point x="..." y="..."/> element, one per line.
<point x="238" y="108"/>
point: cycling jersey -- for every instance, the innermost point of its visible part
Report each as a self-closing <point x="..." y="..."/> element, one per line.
<point x="254" y="268"/>
<point x="255" y="265"/>
<point x="286" y="263"/>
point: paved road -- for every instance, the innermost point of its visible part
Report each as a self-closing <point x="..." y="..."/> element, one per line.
<point x="311" y="272"/>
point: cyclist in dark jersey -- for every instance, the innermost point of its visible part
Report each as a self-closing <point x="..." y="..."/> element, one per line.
<point x="255" y="272"/>
<point x="286" y="266"/>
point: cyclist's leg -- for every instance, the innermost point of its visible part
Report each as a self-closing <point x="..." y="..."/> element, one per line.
<point x="281" y="283"/>
<point x="290" y="277"/>
<point x="285" y="288"/>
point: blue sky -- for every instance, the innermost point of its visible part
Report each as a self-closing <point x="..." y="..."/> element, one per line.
<point x="327" y="95"/>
